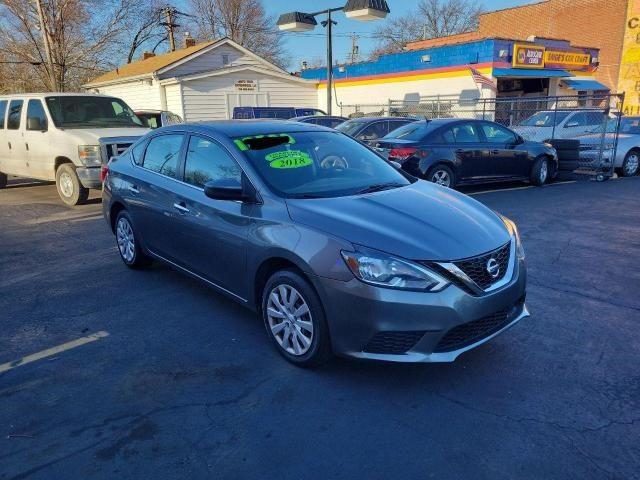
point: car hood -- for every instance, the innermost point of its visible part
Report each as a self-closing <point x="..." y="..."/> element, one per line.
<point x="421" y="221"/>
<point x="90" y="136"/>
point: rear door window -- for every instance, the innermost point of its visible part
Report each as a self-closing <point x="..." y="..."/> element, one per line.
<point x="163" y="154"/>
<point x="15" y="111"/>
<point x="374" y="131"/>
<point x="3" y="111"/>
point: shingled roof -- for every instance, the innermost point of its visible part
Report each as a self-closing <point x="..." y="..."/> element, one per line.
<point x="149" y="65"/>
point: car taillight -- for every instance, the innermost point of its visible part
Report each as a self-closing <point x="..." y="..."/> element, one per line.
<point x="104" y="171"/>
<point x="406" y="152"/>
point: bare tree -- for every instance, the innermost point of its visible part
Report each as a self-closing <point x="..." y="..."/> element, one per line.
<point x="83" y="38"/>
<point x="244" y="22"/>
<point x="431" y="19"/>
<point x="144" y="28"/>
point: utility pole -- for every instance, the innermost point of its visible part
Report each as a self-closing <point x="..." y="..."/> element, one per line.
<point x="53" y="77"/>
<point x="355" y="50"/>
<point x="169" y="13"/>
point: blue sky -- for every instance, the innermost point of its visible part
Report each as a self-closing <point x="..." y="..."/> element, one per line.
<point x="307" y="46"/>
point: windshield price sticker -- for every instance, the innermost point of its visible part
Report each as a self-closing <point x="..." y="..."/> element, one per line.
<point x="288" y="159"/>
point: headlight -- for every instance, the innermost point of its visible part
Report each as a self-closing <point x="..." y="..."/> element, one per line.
<point x="377" y="268"/>
<point x="90" y="155"/>
<point x="513" y="231"/>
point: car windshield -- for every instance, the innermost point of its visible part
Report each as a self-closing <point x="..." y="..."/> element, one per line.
<point x="545" y="119"/>
<point x="630" y="126"/>
<point x="91" y="112"/>
<point x="350" y="127"/>
<point x="411" y="131"/>
<point x="318" y="165"/>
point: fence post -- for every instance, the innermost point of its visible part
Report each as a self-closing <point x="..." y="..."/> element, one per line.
<point x="389" y="108"/>
<point x="555" y="114"/>
<point x="484" y="107"/>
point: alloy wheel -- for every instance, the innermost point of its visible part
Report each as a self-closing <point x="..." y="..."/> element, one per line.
<point x="126" y="240"/>
<point x="544" y="171"/>
<point x="66" y="184"/>
<point x="289" y="319"/>
<point x="631" y="167"/>
<point x="441" y="177"/>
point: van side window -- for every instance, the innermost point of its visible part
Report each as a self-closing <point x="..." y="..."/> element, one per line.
<point x="36" y="118"/>
<point x="15" y="110"/>
<point x="3" y="110"/>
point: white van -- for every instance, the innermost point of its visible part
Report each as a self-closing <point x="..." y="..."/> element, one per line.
<point x="64" y="137"/>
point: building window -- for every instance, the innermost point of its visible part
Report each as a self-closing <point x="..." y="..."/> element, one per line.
<point x="225" y="59"/>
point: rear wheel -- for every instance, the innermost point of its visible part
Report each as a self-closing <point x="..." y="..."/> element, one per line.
<point x="69" y="187"/>
<point x="128" y="244"/>
<point x="540" y="171"/>
<point x="631" y="164"/>
<point x="441" y="175"/>
<point x="3" y="180"/>
<point x="295" y="320"/>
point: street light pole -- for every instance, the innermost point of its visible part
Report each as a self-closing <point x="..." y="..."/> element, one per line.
<point x="329" y="62"/>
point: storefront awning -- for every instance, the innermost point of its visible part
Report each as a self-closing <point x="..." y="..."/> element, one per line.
<point x="537" y="73"/>
<point x="584" y="84"/>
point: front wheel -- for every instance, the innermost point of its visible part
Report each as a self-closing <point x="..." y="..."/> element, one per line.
<point x="540" y="172"/>
<point x="631" y="164"/>
<point x="69" y="187"/>
<point x="128" y="244"/>
<point x="295" y="320"/>
<point x="441" y="175"/>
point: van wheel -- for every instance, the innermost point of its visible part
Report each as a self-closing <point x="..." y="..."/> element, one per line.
<point x="3" y="180"/>
<point x="295" y="320"/>
<point x="540" y="172"/>
<point x="69" y="187"/>
<point x="441" y="175"/>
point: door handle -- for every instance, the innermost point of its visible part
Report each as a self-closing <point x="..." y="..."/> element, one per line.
<point x="133" y="189"/>
<point x="495" y="152"/>
<point x="9" y="143"/>
<point x="181" y="207"/>
<point x="26" y="145"/>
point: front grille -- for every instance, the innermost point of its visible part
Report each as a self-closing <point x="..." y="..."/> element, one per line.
<point x="115" y="149"/>
<point x="472" y="332"/>
<point x="476" y="268"/>
<point x="393" y="343"/>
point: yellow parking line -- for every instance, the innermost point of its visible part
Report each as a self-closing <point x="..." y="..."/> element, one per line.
<point x="53" y="351"/>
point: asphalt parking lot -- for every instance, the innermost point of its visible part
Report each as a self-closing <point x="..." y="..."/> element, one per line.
<point x="181" y="383"/>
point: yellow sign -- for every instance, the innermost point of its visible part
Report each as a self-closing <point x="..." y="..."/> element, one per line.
<point x="629" y="75"/>
<point x="528" y="56"/>
<point x="566" y="60"/>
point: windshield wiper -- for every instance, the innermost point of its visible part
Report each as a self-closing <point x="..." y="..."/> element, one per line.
<point x="305" y="195"/>
<point x="378" y="187"/>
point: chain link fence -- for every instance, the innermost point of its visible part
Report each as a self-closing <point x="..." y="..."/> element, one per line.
<point x="583" y="128"/>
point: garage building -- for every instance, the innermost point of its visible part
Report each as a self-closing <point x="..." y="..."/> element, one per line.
<point x="205" y="82"/>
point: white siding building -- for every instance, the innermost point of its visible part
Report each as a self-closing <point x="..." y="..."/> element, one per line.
<point x="205" y="82"/>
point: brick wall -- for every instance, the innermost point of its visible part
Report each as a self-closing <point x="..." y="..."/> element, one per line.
<point x="589" y="23"/>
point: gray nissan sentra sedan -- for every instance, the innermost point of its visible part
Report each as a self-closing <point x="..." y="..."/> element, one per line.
<point x="336" y="249"/>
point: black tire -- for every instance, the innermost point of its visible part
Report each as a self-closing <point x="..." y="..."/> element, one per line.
<point x="540" y="172"/>
<point x="319" y="350"/>
<point x="438" y="171"/>
<point x="132" y="257"/>
<point x="3" y="180"/>
<point x="69" y="187"/>
<point x="627" y="170"/>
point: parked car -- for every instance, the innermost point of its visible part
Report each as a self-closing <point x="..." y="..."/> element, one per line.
<point x="370" y="129"/>
<point x="158" y="118"/>
<point x="454" y="152"/>
<point x="335" y="248"/>
<point x="625" y="156"/>
<point x="545" y="125"/>
<point x="330" y="121"/>
<point x="283" y="113"/>
<point x="64" y="137"/>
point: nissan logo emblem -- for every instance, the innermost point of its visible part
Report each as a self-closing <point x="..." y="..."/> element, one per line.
<point x="493" y="268"/>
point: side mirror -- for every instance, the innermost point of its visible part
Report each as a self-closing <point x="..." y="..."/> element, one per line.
<point x="519" y="140"/>
<point x="395" y="165"/>
<point x="227" y="189"/>
<point x="34" y="123"/>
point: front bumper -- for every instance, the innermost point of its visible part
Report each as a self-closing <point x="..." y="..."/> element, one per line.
<point x="358" y="314"/>
<point x="89" y="177"/>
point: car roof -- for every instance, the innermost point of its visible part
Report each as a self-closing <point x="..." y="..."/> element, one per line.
<point x="375" y="119"/>
<point x="54" y="94"/>
<point x="305" y="117"/>
<point x="239" y="128"/>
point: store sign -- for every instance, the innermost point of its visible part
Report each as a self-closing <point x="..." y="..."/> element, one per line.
<point x="567" y="60"/>
<point x="528" y="56"/>
<point x="246" y="85"/>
